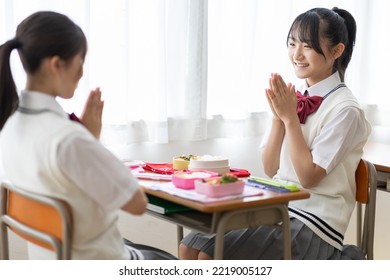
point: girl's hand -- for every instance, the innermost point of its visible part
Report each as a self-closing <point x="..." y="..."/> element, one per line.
<point x="92" y="114"/>
<point x="283" y="98"/>
<point x="270" y="94"/>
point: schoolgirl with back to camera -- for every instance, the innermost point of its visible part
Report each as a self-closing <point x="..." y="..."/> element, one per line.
<point x="45" y="152"/>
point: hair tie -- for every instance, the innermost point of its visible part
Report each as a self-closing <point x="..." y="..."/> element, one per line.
<point x="15" y="43"/>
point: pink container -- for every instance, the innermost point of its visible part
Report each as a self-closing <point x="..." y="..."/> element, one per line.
<point x="185" y="179"/>
<point x="217" y="190"/>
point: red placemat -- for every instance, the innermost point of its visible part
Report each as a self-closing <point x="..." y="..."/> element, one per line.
<point x="240" y="172"/>
<point x="166" y="168"/>
<point x="160" y="168"/>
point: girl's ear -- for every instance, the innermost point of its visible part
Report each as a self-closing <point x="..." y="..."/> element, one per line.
<point x="55" y="64"/>
<point x="338" y="50"/>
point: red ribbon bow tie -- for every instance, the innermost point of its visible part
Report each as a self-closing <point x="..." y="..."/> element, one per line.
<point x="73" y="117"/>
<point x="307" y="105"/>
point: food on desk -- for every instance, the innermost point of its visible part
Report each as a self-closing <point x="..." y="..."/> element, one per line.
<point x="181" y="162"/>
<point x="216" y="164"/>
<point x="228" y="178"/>
<point x="227" y="184"/>
<point x="185" y="179"/>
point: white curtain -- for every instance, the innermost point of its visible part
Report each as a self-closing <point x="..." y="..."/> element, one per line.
<point x="196" y="69"/>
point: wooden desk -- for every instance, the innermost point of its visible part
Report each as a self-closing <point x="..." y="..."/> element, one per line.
<point x="379" y="155"/>
<point x="220" y="217"/>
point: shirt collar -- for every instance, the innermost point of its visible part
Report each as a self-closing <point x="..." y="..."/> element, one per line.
<point x="323" y="87"/>
<point x="35" y="100"/>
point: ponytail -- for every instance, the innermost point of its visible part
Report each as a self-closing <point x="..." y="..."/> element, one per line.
<point x="9" y="99"/>
<point x="350" y="25"/>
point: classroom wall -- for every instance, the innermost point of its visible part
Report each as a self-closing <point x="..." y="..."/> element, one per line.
<point x="242" y="153"/>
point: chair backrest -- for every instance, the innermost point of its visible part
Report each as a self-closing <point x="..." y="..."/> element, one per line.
<point x="366" y="186"/>
<point x="42" y="220"/>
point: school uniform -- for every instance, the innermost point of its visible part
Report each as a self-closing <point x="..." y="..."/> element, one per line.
<point x="46" y="153"/>
<point x="336" y="134"/>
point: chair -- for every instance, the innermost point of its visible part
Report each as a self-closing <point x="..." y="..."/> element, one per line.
<point x="366" y="186"/>
<point x="42" y="220"/>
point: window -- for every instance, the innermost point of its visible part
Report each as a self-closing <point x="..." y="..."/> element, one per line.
<point x="193" y="70"/>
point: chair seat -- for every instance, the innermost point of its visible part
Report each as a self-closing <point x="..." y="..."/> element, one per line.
<point x="42" y="220"/>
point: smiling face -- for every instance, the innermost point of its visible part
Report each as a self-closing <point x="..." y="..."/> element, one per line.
<point x="308" y="63"/>
<point x="314" y="47"/>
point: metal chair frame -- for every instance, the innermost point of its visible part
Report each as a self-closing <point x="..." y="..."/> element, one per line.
<point x="366" y="188"/>
<point x="13" y="201"/>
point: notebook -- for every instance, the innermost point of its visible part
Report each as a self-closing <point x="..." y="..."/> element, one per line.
<point x="162" y="206"/>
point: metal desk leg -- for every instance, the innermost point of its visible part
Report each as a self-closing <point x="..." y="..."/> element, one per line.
<point x="219" y="238"/>
<point x="179" y="234"/>
<point x="243" y="218"/>
<point x="286" y="233"/>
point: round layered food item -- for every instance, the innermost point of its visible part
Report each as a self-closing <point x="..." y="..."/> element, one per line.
<point x="181" y="162"/>
<point x="217" y="164"/>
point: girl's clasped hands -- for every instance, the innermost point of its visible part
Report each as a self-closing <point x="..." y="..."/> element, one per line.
<point x="282" y="98"/>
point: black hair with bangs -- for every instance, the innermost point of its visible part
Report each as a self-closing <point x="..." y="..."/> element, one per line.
<point x="335" y="25"/>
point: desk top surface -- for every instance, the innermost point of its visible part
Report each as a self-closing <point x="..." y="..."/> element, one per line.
<point x="267" y="198"/>
<point x="378" y="154"/>
<point x="375" y="152"/>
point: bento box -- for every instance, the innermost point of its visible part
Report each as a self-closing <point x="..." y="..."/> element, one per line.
<point x="220" y="186"/>
<point x="185" y="179"/>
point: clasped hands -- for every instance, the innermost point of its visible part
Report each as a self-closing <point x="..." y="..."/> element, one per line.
<point x="91" y="117"/>
<point x="282" y="99"/>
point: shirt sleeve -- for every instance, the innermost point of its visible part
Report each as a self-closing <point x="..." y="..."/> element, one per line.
<point x="96" y="171"/>
<point x="338" y="138"/>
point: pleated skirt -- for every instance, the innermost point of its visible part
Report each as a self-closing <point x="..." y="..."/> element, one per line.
<point x="145" y="252"/>
<point x="266" y="243"/>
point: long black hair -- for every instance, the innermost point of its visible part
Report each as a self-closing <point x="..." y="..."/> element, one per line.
<point x="335" y="25"/>
<point x="41" y="35"/>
